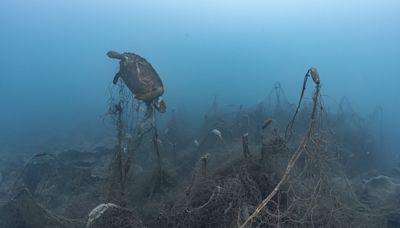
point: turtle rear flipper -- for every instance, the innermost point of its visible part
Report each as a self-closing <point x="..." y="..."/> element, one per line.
<point x="159" y="105"/>
<point x="115" y="55"/>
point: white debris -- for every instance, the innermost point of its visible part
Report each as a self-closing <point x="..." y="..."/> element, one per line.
<point x="196" y="143"/>
<point x="205" y="157"/>
<point x="217" y="133"/>
<point x="98" y="211"/>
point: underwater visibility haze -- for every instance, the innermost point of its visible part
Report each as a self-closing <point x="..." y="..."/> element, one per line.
<point x="199" y="113"/>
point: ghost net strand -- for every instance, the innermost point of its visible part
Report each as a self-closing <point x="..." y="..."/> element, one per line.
<point x="131" y="129"/>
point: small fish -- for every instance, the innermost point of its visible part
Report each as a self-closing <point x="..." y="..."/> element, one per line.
<point x="217" y="133"/>
<point x="266" y="123"/>
<point x="196" y="143"/>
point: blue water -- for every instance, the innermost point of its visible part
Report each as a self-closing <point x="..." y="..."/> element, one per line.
<point x="55" y="76"/>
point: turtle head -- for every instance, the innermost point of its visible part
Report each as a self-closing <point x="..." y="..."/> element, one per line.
<point x="116" y="55"/>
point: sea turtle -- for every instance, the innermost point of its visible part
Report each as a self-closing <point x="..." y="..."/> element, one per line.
<point x="141" y="79"/>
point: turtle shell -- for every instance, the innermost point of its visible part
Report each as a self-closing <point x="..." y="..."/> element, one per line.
<point x="140" y="77"/>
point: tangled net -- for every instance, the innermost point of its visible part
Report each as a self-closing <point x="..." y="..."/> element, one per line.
<point x="131" y="127"/>
<point x="312" y="191"/>
<point x="298" y="180"/>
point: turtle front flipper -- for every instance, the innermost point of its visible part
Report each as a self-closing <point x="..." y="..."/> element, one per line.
<point x="115" y="55"/>
<point x="116" y="77"/>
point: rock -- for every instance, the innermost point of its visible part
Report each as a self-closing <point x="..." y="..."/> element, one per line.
<point x="381" y="191"/>
<point x="61" y="188"/>
<point x="39" y="173"/>
<point x="23" y="211"/>
<point x="77" y="158"/>
<point x="109" y="215"/>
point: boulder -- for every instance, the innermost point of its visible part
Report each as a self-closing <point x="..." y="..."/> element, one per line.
<point x="109" y="215"/>
<point x="381" y="192"/>
<point x="64" y="189"/>
<point x="23" y="211"/>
